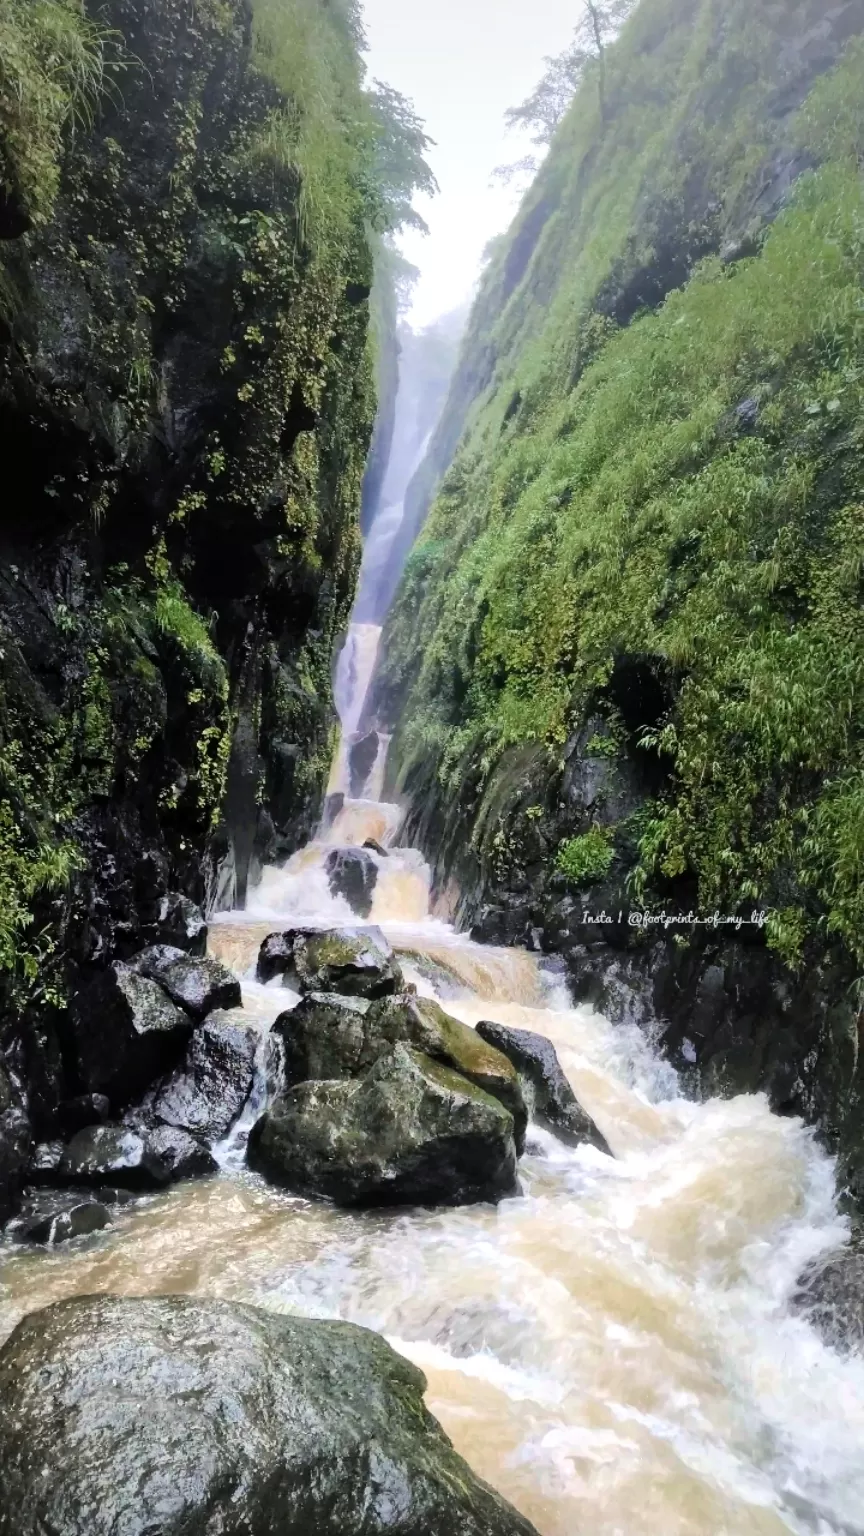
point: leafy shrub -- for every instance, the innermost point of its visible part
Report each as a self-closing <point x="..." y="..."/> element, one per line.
<point x="586" y="859"/>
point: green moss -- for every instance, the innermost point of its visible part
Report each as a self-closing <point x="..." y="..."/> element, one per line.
<point x="689" y="493"/>
<point x="586" y="859"/>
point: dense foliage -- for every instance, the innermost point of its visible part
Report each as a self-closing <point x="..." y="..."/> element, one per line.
<point x="194" y="196"/>
<point x="663" y="464"/>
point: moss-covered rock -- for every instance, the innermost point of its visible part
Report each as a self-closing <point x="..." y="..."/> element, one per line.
<point x="411" y="1132"/>
<point x="171" y="1414"/>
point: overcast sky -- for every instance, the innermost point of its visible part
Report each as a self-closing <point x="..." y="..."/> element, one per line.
<point x="463" y="63"/>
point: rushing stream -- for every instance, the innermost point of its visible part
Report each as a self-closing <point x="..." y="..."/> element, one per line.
<point x="613" y="1348"/>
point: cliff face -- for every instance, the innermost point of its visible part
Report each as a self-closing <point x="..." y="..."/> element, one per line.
<point x="625" y="663"/>
<point x="186" y="404"/>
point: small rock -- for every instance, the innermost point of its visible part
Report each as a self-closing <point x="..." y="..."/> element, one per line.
<point x="353" y="874"/>
<point x="168" y="1414"/>
<point x="831" y="1295"/>
<point x="128" y="1032"/>
<point x="411" y="1132"/>
<point x="195" y="982"/>
<point x="555" y="1105"/>
<point x="374" y="846"/>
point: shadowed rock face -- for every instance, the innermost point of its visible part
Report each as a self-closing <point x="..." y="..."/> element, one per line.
<point x="176" y="1417"/>
<point x="357" y="964"/>
<point x="410" y="1132"/>
<point x="127" y="1032"/>
<point x="196" y="983"/>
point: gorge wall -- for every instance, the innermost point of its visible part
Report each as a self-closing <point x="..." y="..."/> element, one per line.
<point x="188" y="221"/>
<point x="624" y="668"/>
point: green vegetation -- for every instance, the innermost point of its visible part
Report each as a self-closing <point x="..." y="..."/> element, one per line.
<point x="674" y="484"/>
<point x="53" y="69"/>
<point x="588" y="858"/>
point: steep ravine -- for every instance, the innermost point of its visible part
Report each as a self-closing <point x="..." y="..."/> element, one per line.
<point x="624" y="666"/>
<point x="186" y="404"/>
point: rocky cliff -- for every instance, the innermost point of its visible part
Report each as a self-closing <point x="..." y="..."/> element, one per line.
<point x="625" y="663"/>
<point x="186" y="405"/>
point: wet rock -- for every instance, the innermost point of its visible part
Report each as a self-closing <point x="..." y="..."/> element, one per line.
<point x="180" y="923"/>
<point x="169" y="1414"/>
<point x="332" y="806"/>
<point x="374" y="846"/>
<point x="353" y="874"/>
<point x="412" y="1132"/>
<point x="58" y="1218"/>
<point x="44" y="1164"/>
<point x="128" y="1032"/>
<point x="15" y="1145"/>
<point x="355" y="963"/>
<point x="195" y="982"/>
<point x="362" y="757"/>
<point x="208" y="1093"/>
<point x="109" y="1154"/>
<point x="179" y="1155"/>
<point x="133" y="1158"/>
<point x="87" y="1109"/>
<point x="831" y="1295"/>
<point x="452" y="1043"/>
<point x="552" y="1100"/>
<point x="328" y="1036"/>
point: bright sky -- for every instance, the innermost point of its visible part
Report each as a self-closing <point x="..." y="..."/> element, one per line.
<point x="463" y="63"/>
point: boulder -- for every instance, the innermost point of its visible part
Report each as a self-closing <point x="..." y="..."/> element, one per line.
<point x="553" y="1102"/>
<point x="49" y="1219"/>
<point x="454" y="1044"/>
<point x="353" y="874"/>
<point x="168" y="1414"/>
<point x="128" y="1032"/>
<point x="43" y="1166"/>
<point x="355" y="962"/>
<point x="411" y="1132"/>
<point x="194" y="982"/>
<point x="328" y="1036"/>
<point x="133" y="1158"/>
<point x="209" y="1091"/>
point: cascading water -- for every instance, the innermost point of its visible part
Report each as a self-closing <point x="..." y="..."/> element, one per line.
<point x="613" y="1348"/>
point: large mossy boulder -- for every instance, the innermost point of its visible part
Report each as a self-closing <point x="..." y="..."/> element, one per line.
<point x="128" y="1032"/>
<point x="170" y="1416"/>
<point x="411" y="1132"/>
<point x="355" y="962"/>
<point x="329" y="1036"/>
<point x="196" y="983"/>
<point x="552" y="1101"/>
